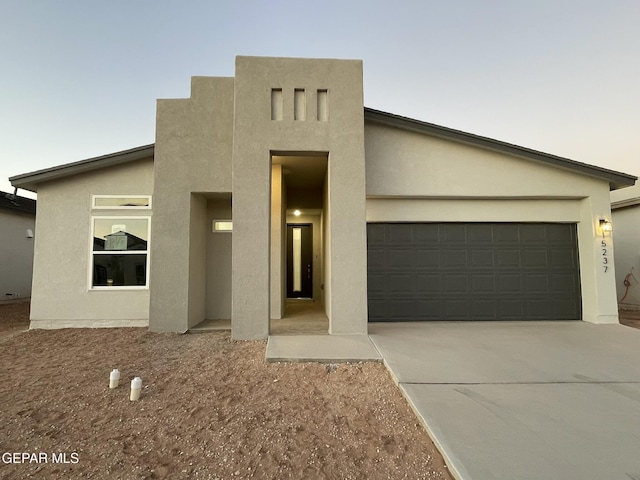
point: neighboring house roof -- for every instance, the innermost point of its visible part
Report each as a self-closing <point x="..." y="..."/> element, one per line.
<point x="15" y="203"/>
<point x="29" y="181"/>
<point x="626" y="197"/>
<point x="615" y="179"/>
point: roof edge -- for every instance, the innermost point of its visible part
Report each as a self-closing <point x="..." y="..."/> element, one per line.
<point x="616" y="179"/>
<point x="629" y="202"/>
<point x="29" y="181"/>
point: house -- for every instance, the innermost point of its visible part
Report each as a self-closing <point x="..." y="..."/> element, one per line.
<point x="625" y="209"/>
<point x="17" y="230"/>
<point x="399" y="220"/>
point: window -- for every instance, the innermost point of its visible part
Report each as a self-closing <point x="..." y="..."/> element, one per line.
<point x="120" y="252"/>
<point x="120" y="202"/>
<point x="222" y="226"/>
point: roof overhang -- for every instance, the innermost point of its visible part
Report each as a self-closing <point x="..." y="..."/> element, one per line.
<point x="616" y="179"/>
<point x="29" y="181"/>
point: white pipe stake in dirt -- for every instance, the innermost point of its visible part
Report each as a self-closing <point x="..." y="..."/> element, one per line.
<point x="114" y="378"/>
<point x="136" y="386"/>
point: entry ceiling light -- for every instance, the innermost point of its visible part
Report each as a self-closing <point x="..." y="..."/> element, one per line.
<point x="297" y="213"/>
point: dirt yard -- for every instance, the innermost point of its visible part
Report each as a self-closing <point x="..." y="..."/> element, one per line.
<point x="211" y="408"/>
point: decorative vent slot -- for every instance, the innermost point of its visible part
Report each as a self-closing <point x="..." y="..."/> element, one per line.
<point x="299" y="104"/>
<point x="276" y="104"/>
<point x="323" y="107"/>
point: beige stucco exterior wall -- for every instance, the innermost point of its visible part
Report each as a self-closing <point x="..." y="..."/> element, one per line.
<point x="413" y="177"/>
<point x="626" y="237"/>
<point x="218" y="270"/>
<point x="197" y="259"/>
<point x="256" y="137"/>
<point x="16" y="255"/>
<point x="278" y="243"/>
<point x="192" y="156"/>
<point x="61" y="285"/>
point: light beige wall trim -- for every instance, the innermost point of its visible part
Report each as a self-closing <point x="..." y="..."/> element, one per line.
<point x="475" y="210"/>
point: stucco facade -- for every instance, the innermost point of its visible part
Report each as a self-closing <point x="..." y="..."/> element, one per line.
<point x="282" y="135"/>
<point x="625" y="207"/>
<point x="17" y="232"/>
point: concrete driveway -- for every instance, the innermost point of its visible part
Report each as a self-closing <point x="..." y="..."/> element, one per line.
<point x="522" y="400"/>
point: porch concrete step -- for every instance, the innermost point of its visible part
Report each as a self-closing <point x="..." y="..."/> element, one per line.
<point x="321" y="348"/>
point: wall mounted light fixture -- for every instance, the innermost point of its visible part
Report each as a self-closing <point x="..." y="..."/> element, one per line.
<point x="605" y="226"/>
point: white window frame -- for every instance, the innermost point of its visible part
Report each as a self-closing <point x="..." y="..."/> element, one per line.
<point x="146" y="252"/>
<point x="121" y="207"/>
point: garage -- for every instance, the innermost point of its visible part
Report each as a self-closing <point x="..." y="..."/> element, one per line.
<point x="472" y="271"/>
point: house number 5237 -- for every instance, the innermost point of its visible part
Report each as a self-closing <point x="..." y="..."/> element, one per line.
<point x="605" y="258"/>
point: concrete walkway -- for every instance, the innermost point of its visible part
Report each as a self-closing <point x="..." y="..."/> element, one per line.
<point x="522" y="400"/>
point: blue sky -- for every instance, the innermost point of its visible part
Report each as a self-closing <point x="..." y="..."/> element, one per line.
<point x="79" y="78"/>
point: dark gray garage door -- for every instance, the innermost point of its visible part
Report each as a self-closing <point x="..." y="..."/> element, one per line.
<point x="473" y="271"/>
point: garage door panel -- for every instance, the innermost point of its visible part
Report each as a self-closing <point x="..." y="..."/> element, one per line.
<point x="479" y="271"/>
<point x="455" y="308"/>
<point x="428" y="284"/>
<point x="453" y="258"/>
<point x="399" y="258"/>
<point x="506" y="233"/>
<point x="427" y="258"/>
<point x="509" y="283"/>
<point x="376" y="234"/>
<point x="453" y="283"/>
<point x="562" y="258"/>
<point x="564" y="308"/>
<point x="537" y="308"/>
<point x="535" y="283"/>
<point x="400" y="284"/>
<point x="453" y="233"/>
<point x="558" y="234"/>
<point x="483" y="309"/>
<point x="508" y="258"/>
<point x="534" y="258"/>
<point x="509" y="309"/>
<point x="376" y="285"/>
<point x="483" y="283"/>
<point x="375" y="259"/>
<point x="426" y="233"/>
<point x="562" y="283"/>
<point x="482" y="258"/>
<point x="401" y="235"/>
<point x="479" y="233"/>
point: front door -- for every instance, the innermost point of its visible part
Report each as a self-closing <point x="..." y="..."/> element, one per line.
<point x="299" y="261"/>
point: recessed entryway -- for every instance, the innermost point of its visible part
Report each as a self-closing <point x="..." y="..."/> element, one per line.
<point x="298" y="226"/>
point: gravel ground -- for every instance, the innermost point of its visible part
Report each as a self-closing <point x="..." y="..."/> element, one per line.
<point x="211" y="408"/>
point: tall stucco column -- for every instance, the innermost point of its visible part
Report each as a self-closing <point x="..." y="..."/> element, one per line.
<point x="250" y="293"/>
<point x="599" y="302"/>
<point x="289" y="106"/>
